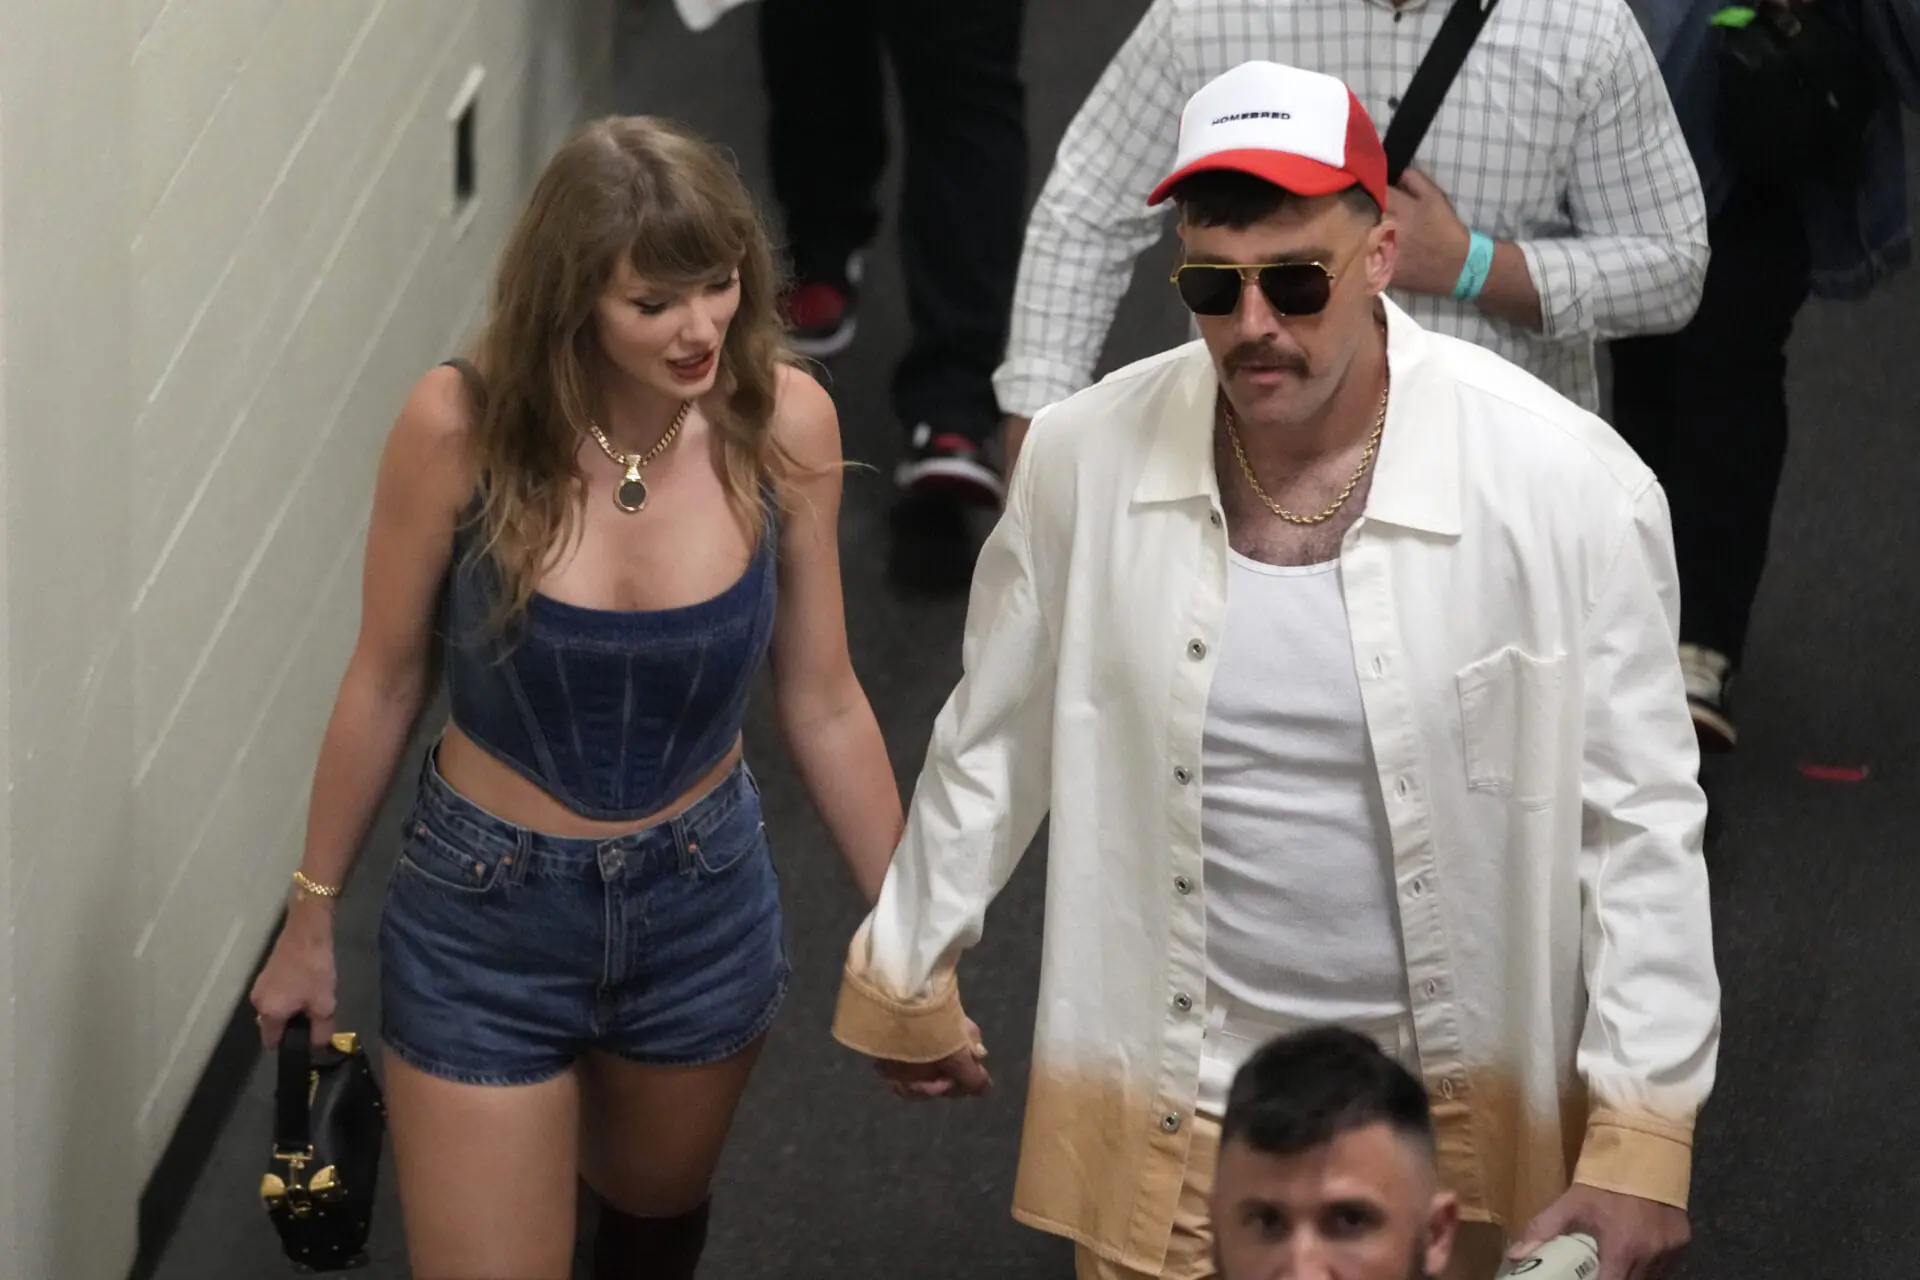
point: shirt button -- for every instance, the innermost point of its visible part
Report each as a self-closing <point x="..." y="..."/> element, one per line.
<point x="1432" y="988"/>
<point x="1196" y="649"/>
<point x="1170" y="1122"/>
<point x="1402" y="787"/>
<point x="1446" y="1089"/>
<point x="1379" y="665"/>
<point x="1213" y="518"/>
<point x="1183" y="775"/>
<point x="1183" y="1002"/>
<point x="1394" y="102"/>
<point x="1418" y="888"/>
<point x="1182" y="885"/>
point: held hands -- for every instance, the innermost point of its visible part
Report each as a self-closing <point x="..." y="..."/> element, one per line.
<point x="1637" y="1239"/>
<point x="1432" y="240"/>
<point x="958" y="1075"/>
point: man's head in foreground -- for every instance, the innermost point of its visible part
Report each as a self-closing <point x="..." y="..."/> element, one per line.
<point x="1327" y="1167"/>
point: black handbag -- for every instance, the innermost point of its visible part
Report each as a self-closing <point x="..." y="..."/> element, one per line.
<point x="330" y="1123"/>
<point x="1798" y="89"/>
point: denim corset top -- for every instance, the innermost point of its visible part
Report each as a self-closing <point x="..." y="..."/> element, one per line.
<point x="614" y="714"/>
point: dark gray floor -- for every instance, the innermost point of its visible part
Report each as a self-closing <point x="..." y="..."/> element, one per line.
<point x="1807" y="1155"/>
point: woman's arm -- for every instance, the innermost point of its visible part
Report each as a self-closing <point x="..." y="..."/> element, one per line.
<point x="828" y="725"/>
<point x="425" y="479"/>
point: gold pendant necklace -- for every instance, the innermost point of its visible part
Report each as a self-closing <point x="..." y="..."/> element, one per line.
<point x="1353" y="482"/>
<point x="630" y="494"/>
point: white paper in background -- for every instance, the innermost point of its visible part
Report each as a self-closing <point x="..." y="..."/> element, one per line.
<point x="701" y="14"/>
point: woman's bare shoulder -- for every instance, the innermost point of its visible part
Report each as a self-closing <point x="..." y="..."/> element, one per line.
<point x="805" y="421"/>
<point x="430" y="450"/>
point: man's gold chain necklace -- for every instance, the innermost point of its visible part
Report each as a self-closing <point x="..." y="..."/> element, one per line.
<point x="1366" y="460"/>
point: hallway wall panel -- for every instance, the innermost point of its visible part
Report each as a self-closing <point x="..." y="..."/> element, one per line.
<point x="229" y="243"/>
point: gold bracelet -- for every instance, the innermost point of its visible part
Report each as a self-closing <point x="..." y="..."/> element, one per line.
<point x="313" y="887"/>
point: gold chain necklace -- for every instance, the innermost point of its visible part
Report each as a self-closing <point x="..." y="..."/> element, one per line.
<point x="630" y="494"/>
<point x="1366" y="459"/>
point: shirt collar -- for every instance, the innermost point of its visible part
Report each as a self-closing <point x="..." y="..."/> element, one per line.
<point x="1416" y="478"/>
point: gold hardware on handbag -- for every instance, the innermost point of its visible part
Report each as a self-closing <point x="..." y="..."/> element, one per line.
<point x="329" y="1127"/>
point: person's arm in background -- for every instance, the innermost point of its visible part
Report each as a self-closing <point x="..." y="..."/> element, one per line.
<point x="1090" y="223"/>
<point x="1638" y="258"/>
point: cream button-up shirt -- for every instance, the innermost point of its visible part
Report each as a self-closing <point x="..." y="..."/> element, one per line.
<point x="1511" y="594"/>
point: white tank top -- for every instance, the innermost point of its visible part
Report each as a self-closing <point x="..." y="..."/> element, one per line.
<point x="1301" y="921"/>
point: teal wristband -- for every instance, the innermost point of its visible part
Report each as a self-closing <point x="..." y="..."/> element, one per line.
<point x="1479" y="265"/>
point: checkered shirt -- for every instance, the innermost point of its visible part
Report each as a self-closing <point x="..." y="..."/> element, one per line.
<point x="1558" y="135"/>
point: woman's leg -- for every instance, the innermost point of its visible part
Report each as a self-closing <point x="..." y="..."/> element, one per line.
<point x="650" y="1140"/>
<point x="487" y="1175"/>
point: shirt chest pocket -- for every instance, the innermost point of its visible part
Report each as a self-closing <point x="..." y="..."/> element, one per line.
<point x="1511" y="712"/>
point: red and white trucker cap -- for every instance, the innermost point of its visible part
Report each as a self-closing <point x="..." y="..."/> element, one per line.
<point x="1300" y="130"/>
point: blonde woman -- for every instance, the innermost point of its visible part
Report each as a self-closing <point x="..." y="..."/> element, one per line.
<point x="602" y="525"/>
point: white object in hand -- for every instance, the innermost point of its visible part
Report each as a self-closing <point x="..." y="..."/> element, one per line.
<point x="1568" y="1257"/>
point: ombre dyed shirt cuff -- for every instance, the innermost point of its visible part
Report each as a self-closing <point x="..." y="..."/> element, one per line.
<point x="1639" y="1156"/>
<point x="870" y="1021"/>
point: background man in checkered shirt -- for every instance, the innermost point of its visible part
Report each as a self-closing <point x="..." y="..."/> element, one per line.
<point x="1557" y="141"/>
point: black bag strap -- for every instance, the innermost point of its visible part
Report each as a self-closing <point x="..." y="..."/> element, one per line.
<point x="1431" y="82"/>
<point x="291" y="1129"/>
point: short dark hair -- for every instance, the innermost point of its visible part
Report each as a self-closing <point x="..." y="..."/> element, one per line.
<point x="1236" y="200"/>
<point x="1303" y="1090"/>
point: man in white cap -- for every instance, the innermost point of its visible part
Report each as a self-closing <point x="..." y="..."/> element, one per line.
<point x="1340" y="655"/>
<point x="1556" y="144"/>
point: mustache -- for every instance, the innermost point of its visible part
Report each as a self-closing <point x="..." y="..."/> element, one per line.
<point x="1256" y="353"/>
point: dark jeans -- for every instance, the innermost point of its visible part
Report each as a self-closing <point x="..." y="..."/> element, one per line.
<point x="956" y="65"/>
<point x="1706" y="408"/>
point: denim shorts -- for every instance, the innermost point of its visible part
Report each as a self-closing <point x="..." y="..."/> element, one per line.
<point x="505" y="952"/>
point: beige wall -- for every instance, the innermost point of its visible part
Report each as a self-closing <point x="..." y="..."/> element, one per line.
<point x="227" y="248"/>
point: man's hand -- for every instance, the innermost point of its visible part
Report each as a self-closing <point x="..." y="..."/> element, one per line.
<point x="1638" y="1239"/>
<point x="1433" y="240"/>
<point x="958" y="1075"/>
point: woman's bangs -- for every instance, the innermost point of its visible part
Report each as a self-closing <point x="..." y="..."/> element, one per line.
<point x="683" y="241"/>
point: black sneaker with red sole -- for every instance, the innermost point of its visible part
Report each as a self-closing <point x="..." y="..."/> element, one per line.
<point x="822" y="314"/>
<point x="952" y="465"/>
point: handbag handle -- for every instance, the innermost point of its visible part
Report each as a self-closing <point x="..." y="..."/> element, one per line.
<point x="1431" y="82"/>
<point x="292" y="1129"/>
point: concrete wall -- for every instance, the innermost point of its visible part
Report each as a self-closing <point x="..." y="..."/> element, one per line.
<point x="228" y="245"/>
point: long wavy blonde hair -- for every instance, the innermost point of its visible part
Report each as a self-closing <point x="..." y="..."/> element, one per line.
<point x="678" y="210"/>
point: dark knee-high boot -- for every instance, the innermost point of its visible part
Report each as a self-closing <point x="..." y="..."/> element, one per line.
<point x="630" y="1248"/>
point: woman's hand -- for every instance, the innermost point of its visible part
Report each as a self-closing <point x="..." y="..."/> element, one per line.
<point x="299" y="976"/>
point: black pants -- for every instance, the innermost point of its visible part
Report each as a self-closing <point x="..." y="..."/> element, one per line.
<point x="1706" y="408"/>
<point x="956" y="64"/>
